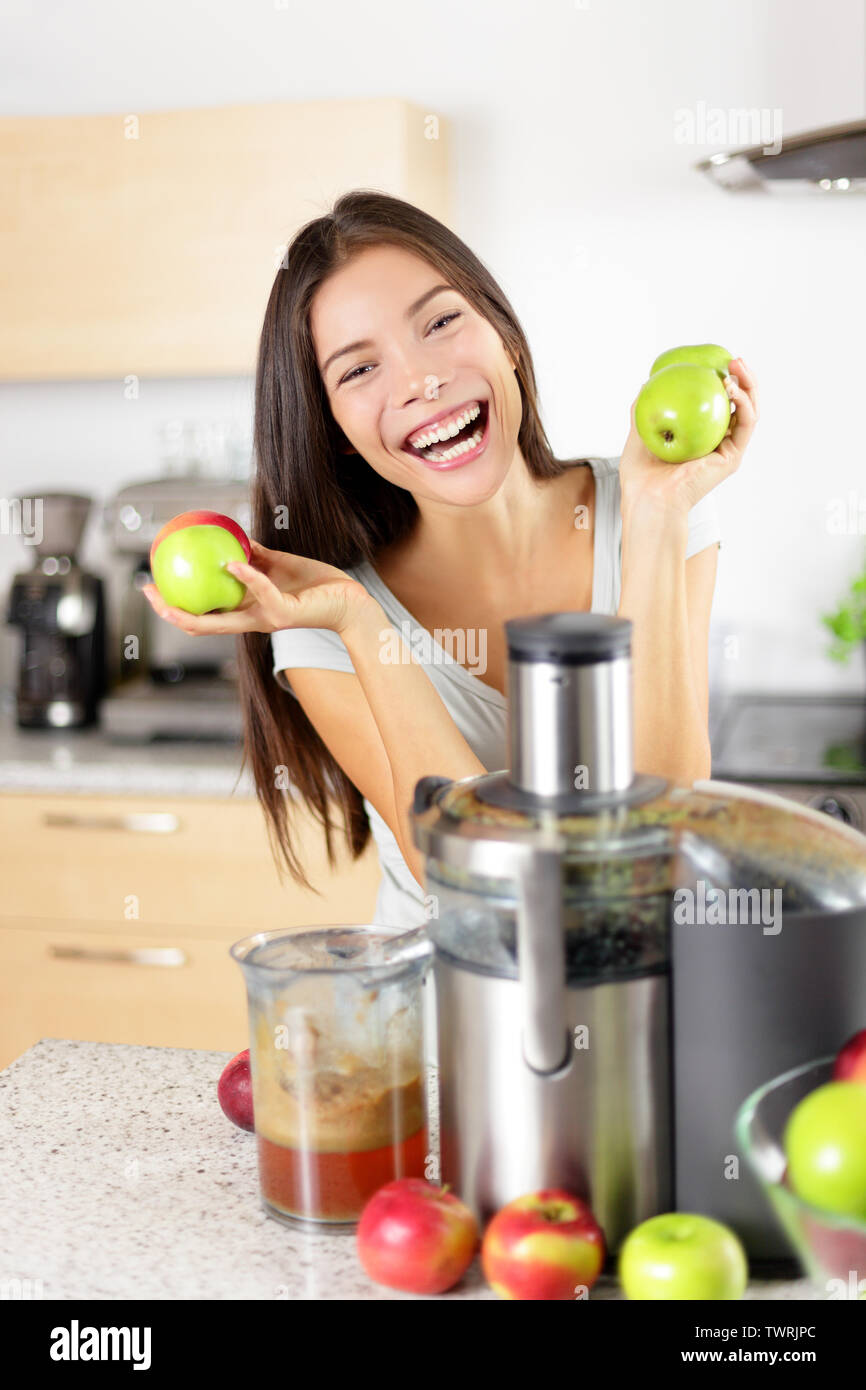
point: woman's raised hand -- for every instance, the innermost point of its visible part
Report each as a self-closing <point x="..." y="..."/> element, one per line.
<point x="646" y="480"/>
<point x="283" y="590"/>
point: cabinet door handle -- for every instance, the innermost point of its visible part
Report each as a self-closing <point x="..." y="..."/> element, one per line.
<point x="144" y="955"/>
<point x="144" y="822"/>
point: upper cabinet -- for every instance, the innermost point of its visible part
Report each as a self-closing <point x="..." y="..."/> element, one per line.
<point x="145" y="244"/>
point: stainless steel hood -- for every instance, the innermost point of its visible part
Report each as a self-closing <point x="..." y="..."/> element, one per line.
<point x="830" y="160"/>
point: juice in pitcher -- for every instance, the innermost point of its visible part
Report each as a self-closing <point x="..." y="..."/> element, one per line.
<point x="336" y="1049"/>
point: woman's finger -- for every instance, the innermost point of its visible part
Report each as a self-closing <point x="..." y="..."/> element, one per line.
<point x="262" y="557"/>
<point x="258" y="584"/>
<point x="178" y="617"/>
<point x="159" y="605"/>
<point x="199" y="625"/>
<point x="743" y="421"/>
<point x="747" y="381"/>
<point x="262" y="591"/>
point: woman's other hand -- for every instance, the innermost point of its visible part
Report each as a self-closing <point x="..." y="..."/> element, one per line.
<point x="283" y="590"/>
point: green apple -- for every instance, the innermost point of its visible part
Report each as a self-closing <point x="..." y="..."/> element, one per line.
<point x="825" y="1145"/>
<point x="188" y="559"/>
<point x="682" y="1256"/>
<point x="682" y="413"/>
<point x="699" y="355"/>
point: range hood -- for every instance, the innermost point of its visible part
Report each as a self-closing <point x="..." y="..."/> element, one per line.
<point x="831" y="160"/>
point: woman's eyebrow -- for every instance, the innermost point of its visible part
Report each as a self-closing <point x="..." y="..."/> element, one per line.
<point x="368" y="342"/>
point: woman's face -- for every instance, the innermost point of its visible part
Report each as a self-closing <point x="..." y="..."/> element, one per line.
<point x="409" y="362"/>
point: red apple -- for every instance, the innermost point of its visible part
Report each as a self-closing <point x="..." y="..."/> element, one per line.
<point x="850" y="1064"/>
<point x="546" y="1245"/>
<point x="415" y="1236"/>
<point x="235" y="1091"/>
<point x="188" y="562"/>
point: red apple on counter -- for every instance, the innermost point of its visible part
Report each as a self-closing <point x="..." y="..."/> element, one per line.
<point x="850" y="1064"/>
<point x="235" y="1091"/>
<point x="417" y="1237"/>
<point x="545" y="1245"/>
<point x="188" y="559"/>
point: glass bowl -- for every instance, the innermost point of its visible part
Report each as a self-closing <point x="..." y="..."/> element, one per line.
<point x="829" y="1247"/>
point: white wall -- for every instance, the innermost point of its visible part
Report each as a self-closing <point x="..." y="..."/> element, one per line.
<point x="573" y="188"/>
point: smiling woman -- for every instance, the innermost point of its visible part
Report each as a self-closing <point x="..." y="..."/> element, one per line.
<point x="386" y="346"/>
<point x="404" y="481"/>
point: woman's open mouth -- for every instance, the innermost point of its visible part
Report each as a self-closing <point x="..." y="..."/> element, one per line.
<point x="467" y="444"/>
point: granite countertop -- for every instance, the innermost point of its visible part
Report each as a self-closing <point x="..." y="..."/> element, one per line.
<point x="86" y="760"/>
<point x="122" y="1178"/>
<point x="69" y="761"/>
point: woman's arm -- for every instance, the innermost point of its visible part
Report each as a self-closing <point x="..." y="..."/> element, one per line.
<point x="658" y="590"/>
<point x="418" y="733"/>
<point x="386" y="724"/>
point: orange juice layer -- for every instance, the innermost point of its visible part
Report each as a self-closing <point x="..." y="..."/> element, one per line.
<point x="334" y="1186"/>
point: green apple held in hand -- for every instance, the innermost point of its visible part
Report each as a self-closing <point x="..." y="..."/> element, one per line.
<point x="700" y="355"/>
<point x="188" y="559"/>
<point x="825" y="1145"/>
<point x="682" y="1256"/>
<point x="682" y="412"/>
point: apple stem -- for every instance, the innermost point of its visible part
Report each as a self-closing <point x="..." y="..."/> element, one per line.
<point x="552" y="1213"/>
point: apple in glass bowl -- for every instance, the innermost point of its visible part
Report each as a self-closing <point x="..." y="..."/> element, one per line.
<point x="830" y="1245"/>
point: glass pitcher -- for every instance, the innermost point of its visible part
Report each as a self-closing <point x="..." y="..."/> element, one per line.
<point x="337" y="1057"/>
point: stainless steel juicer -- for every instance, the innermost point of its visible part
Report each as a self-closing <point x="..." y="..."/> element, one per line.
<point x="597" y="1026"/>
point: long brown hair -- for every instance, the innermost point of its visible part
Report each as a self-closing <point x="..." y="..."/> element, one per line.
<point x="339" y="510"/>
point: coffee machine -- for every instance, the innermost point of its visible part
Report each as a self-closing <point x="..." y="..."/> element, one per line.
<point x="60" y="609"/>
<point x="597" y="1028"/>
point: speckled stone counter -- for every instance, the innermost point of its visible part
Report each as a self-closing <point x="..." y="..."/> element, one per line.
<point x="120" y="1177"/>
<point x="85" y="760"/>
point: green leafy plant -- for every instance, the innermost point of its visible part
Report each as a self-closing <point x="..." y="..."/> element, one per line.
<point x="848" y="623"/>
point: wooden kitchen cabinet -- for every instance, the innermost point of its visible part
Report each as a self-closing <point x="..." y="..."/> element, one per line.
<point x="117" y="913"/>
<point x="164" y="989"/>
<point x="145" y="244"/>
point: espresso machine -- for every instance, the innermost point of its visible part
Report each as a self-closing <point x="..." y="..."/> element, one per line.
<point x="597" y="1029"/>
<point x="60" y="609"/>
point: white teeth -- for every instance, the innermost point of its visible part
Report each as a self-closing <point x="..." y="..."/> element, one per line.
<point x="438" y="436"/>
<point x="463" y="447"/>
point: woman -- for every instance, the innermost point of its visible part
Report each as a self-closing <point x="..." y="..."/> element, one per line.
<point x="390" y="557"/>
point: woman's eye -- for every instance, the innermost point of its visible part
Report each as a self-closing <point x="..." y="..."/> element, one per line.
<point x="446" y="318"/>
<point x="349" y="375"/>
